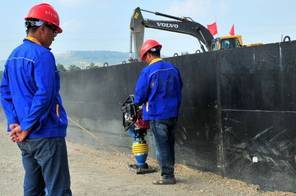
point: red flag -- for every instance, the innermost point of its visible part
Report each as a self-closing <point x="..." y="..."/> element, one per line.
<point x="213" y="28"/>
<point x="231" y="32"/>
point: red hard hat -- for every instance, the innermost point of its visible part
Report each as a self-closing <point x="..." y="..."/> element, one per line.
<point x="147" y="45"/>
<point x="46" y="13"/>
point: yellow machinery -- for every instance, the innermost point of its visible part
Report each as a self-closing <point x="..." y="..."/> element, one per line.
<point x="226" y="42"/>
<point x="183" y="25"/>
<point x="230" y="41"/>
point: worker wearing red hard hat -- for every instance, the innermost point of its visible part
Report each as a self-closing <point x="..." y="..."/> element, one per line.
<point x="159" y="90"/>
<point x="46" y="13"/>
<point x="147" y="46"/>
<point x="30" y="97"/>
<point x="43" y="15"/>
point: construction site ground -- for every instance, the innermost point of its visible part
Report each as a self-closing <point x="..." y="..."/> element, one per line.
<point x="97" y="172"/>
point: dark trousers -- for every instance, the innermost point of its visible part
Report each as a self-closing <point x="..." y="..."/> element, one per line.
<point x="46" y="167"/>
<point x="164" y="136"/>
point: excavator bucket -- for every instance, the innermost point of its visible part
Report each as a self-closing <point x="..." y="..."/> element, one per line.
<point x="137" y="31"/>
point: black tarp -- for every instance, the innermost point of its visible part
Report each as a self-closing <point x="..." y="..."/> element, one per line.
<point x="237" y="114"/>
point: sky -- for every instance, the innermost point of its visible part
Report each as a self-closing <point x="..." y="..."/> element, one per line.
<point x="104" y="24"/>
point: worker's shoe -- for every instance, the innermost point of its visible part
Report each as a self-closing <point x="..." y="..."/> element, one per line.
<point x="165" y="181"/>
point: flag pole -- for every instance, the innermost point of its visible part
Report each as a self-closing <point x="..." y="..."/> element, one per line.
<point x="217" y="25"/>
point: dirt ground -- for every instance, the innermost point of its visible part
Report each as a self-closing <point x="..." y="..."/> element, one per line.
<point x="95" y="172"/>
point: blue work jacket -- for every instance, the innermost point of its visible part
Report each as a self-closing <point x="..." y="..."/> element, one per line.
<point x="30" y="92"/>
<point x="159" y="88"/>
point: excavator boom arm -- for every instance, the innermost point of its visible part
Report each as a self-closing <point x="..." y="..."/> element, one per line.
<point x="185" y="27"/>
<point x="178" y="25"/>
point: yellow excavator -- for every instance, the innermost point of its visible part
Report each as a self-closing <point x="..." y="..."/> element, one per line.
<point x="226" y="42"/>
<point x="183" y="25"/>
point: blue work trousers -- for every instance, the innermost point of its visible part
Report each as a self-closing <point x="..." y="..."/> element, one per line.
<point x="164" y="137"/>
<point x="46" y="167"/>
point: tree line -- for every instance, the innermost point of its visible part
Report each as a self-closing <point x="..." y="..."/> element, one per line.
<point x="61" y="67"/>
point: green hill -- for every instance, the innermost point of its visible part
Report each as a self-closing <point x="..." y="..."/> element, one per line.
<point x="84" y="58"/>
<point x="2" y="62"/>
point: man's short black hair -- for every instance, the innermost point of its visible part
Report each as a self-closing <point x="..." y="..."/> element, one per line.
<point x="155" y="51"/>
<point x="30" y="25"/>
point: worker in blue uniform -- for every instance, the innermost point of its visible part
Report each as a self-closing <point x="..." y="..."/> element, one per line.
<point x="31" y="101"/>
<point x="159" y="90"/>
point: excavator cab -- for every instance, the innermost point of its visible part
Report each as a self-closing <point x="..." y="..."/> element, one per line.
<point x="227" y="42"/>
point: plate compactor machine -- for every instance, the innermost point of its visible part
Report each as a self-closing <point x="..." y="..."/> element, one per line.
<point x="136" y="128"/>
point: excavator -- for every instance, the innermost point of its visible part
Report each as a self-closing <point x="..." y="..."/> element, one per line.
<point x="183" y="25"/>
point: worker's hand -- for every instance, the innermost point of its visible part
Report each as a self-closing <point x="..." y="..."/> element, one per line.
<point x="15" y="130"/>
<point x="18" y="135"/>
<point x="22" y="136"/>
<point x="12" y="126"/>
